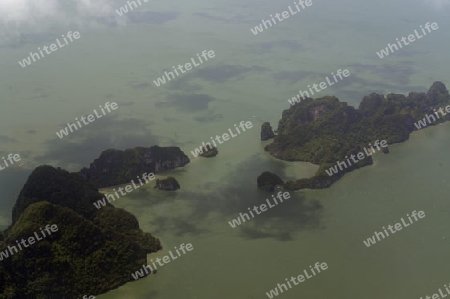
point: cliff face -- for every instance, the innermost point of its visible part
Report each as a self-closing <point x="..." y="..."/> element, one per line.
<point x="168" y="184"/>
<point x="115" y="167"/>
<point x="325" y="130"/>
<point x="266" y="131"/>
<point x="92" y="252"/>
<point x="316" y="131"/>
<point x="268" y="180"/>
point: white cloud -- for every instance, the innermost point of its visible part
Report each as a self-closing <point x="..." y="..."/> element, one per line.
<point x="436" y="3"/>
<point x="24" y="17"/>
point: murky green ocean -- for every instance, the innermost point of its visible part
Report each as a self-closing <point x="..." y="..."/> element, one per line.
<point x="251" y="78"/>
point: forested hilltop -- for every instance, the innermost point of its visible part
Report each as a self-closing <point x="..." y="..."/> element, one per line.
<point x="325" y="130"/>
<point x="92" y="252"/>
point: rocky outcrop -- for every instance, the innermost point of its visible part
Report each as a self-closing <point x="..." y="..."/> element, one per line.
<point x="58" y="187"/>
<point x="88" y="241"/>
<point x="325" y="130"/>
<point x="267" y="181"/>
<point x="210" y="153"/>
<point x="115" y="167"/>
<point x="168" y="184"/>
<point x="437" y="93"/>
<point x="266" y="131"/>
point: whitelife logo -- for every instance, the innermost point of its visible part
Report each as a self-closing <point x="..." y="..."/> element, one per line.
<point x="90" y="118"/>
<point x="411" y="38"/>
<point x="237" y="221"/>
<point x="284" y="15"/>
<point x="166" y="259"/>
<point x="53" y="48"/>
<point x="198" y="151"/>
<point x="394" y="228"/>
<point x="188" y="66"/>
<point x="10" y="158"/>
<point x="304" y="94"/>
<point x="124" y="9"/>
<point x="128" y="188"/>
<point x="359" y="156"/>
<point x="31" y="240"/>
<point x="423" y="123"/>
<point x="296" y="280"/>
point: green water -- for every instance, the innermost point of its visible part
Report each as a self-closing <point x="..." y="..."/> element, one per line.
<point x="251" y="79"/>
<point x="247" y="261"/>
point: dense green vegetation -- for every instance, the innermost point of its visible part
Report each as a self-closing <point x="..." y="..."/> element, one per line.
<point x="325" y="130"/>
<point x="92" y="252"/>
<point x="57" y="186"/>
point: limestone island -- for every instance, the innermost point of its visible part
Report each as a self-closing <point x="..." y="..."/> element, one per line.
<point x="209" y="153"/>
<point x="168" y="184"/>
<point x="93" y="251"/>
<point x="266" y="131"/>
<point x="325" y="130"/>
<point x="268" y="181"/>
<point x="115" y="167"/>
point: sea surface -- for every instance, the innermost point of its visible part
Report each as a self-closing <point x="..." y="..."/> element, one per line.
<point x="250" y="78"/>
